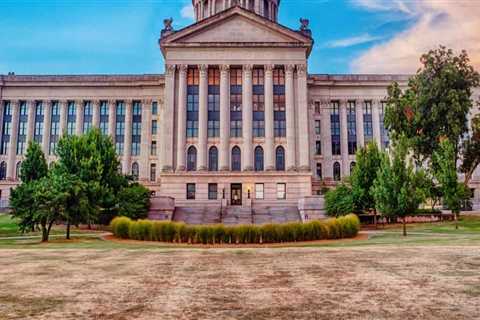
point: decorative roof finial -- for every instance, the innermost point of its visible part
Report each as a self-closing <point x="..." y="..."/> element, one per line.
<point x="304" y="29"/>
<point x="168" y="29"/>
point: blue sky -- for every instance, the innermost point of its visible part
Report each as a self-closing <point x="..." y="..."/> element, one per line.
<point x="120" y="36"/>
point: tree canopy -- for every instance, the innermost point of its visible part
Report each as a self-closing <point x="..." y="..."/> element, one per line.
<point x="34" y="166"/>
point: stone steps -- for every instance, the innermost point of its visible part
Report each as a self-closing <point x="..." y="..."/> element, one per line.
<point x="197" y="215"/>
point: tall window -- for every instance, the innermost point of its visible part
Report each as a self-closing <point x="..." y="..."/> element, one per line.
<point x="154" y="108"/>
<point x="212" y="191"/>
<point x="104" y="117"/>
<point x="259" y="191"/>
<point x="280" y="159"/>
<point x="192" y="159"/>
<point x="136" y="127"/>
<point x="54" y="127"/>
<point x="22" y="128"/>
<point x="317" y="107"/>
<point x="213" y="102"/>
<point x="336" y="171"/>
<point x="383" y="131"/>
<point x="6" y="127"/>
<point x="352" y="127"/>
<point x="71" y="117"/>
<point x="39" y="111"/>
<point x="258" y="159"/>
<point x="335" y="128"/>
<point x="236" y="102"/>
<point x="153" y="172"/>
<point x="3" y="170"/>
<point x="318" y="147"/>
<point x="153" y="148"/>
<point x="236" y="159"/>
<point x="192" y="102"/>
<point x="279" y="117"/>
<point x="87" y="116"/>
<point x="154" y="126"/>
<point x="318" y="127"/>
<point x="190" y="191"/>
<point x="18" y="168"/>
<point x="213" y="159"/>
<point x="319" y="170"/>
<point x="120" y="127"/>
<point x="352" y="166"/>
<point x="258" y="97"/>
<point x="135" y="171"/>
<point x="367" y="121"/>
<point x="281" y="191"/>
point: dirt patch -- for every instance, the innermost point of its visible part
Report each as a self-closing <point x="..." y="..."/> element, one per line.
<point x="261" y="283"/>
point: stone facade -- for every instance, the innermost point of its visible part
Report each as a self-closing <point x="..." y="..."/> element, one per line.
<point x="235" y="121"/>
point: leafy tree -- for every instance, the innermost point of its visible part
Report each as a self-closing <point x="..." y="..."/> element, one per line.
<point x="23" y="205"/>
<point x="471" y="151"/>
<point x="339" y="201"/>
<point x="34" y="166"/>
<point x="368" y="161"/>
<point x="395" y="190"/>
<point x="435" y="104"/>
<point x="445" y="173"/>
<point x="134" y="201"/>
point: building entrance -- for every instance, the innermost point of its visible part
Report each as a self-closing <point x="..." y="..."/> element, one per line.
<point x="236" y="194"/>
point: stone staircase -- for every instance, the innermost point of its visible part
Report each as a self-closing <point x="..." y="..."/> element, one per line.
<point x="237" y="215"/>
<point x="262" y="215"/>
<point x="197" y="215"/>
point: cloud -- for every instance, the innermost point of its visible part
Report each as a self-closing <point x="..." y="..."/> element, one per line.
<point x="455" y="24"/>
<point x="352" y="41"/>
<point x="187" y="12"/>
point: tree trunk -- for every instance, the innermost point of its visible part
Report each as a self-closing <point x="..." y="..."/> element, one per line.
<point x="44" y="234"/>
<point x="455" y="218"/>
<point x="404" y="226"/>
<point x="68" y="229"/>
<point x="375" y="218"/>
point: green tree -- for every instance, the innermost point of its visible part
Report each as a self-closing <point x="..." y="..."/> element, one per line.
<point x="134" y="201"/>
<point x="368" y="161"/>
<point x="471" y="151"/>
<point x="23" y="206"/>
<point x="34" y="166"/>
<point x="445" y="173"/>
<point x="435" y="104"/>
<point x="339" y="201"/>
<point x="395" y="191"/>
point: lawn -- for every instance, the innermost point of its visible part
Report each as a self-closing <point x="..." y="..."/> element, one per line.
<point x="431" y="274"/>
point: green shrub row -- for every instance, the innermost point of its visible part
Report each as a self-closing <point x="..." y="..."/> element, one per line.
<point x="167" y="231"/>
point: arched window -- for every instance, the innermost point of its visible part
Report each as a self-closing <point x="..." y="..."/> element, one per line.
<point x="135" y="171"/>
<point x="192" y="159"/>
<point x="213" y="159"/>
<point x="280" y="159"/>
<point x="17" y="170"/>
<point x="236" y="159"/>
<point x="3" y="170"/>
<point x="352" y="166"/>
<point x="258" y="159"/>
<point x="336" y="171"/>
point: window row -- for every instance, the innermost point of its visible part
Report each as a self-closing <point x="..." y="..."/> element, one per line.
<point x="191" y="190"/>
<point x="337" y="172"/>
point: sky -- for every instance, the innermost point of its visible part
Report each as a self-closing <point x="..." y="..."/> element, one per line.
<point x="120" y="36"/>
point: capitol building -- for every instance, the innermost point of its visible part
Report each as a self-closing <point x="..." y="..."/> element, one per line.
<point x="236" y="125"/>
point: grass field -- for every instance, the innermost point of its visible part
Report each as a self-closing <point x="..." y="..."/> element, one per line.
<point x="431" y="274"/>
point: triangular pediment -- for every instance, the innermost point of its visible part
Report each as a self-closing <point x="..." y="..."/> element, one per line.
<point x="236" y="26"/>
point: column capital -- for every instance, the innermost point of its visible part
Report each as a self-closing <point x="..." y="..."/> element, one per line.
<point x="14" y="103"/>
<point x="95" y="102"/>
<point x="301" y="69"/>
<point x="79" y="102"/>
<point x="170" y="69"/>
<point x="128" y="101"/>
<point x="203" y="68"/>
<point x="224" y="67"/>
<point x="183" y="68"/>
<point x="247" y="67"/>
<point x="289" y="68"/>
<point x="112" y="101"/>
<point x="269" y="67"/>
<point x="147" y="101"/>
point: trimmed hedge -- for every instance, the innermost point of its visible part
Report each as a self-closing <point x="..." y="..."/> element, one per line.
<point x="167" y="231"/>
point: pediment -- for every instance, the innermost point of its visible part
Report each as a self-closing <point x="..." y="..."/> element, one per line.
<point x="236" y="27"/>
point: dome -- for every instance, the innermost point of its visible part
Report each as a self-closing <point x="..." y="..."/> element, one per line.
<point x="206" y="8"/>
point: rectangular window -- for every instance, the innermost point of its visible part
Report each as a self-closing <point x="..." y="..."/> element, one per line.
<point x="383" y="131"/>
<point x="318" y="127"/>
<point x="212" y="191"/>
<point x="153" y="148"/>
<point x="318" y="147"/>
<point x="258" y="102"/>
<point x="236" y="128"/>
<point x="120" y="127"/>
<point x="136" y="127"/>
<point x="71" y="117"/>
<point x="153" y="172"/>
<point x="39" y="118"/>
<point x="6" y="127"/>
<point x="259" y="193"/>
<point x="279" y="116"/>
<point x="236" y="102"/>
<point x="281" y="191"/>
<point x="213" y="102"/>
<point x="22" y="128"/>
<point x="352" y="127"/>
<point x="87" y="116"/>
<point x="367" y="122"/>
<point x="154" y="126"/>
<point x="317" y="107"/>
<point x="154" y="108"/>
<point x="319" y="171"/>
<point x="190" y="191"/>
<point x="335" y="127"/>
<point x="104" y="117"/>
<point x="55" y="127"/>
<point x="192" y="102"/>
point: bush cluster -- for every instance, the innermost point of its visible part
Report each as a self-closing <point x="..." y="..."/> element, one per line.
<point x="167" y="231"/>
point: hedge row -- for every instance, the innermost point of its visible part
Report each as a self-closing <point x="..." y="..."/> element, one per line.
<point x="167" y="231"/>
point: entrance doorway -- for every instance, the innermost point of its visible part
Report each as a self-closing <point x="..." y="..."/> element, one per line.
<point x="236" y="194"/>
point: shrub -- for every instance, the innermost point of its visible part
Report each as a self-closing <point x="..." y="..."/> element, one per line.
<point x="339" y="201"/>
<point x="120" y="226"/>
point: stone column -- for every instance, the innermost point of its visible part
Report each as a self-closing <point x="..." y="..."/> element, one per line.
<point x="303" y="125"/>
<point x="47" y="120"/>
<point x="359" y="117"/>
<point x="376" y="123"/>
<point x="31" y="106"/>
<point x="269" y="132"/>
<point x="112" y="114"/>
<point x="166" y="120"/>
<point x="96" y="113"/>
<point x="63" y="116"/>
<point x="146" y="140"/>
<point x="344" y="137"/>
<point x="326" y="139"/>
<point x="127" y="151"/>
<point x="2" y="107"/>
<point x="247" y="118"/>
<point x="12" y="152"/>
<point x="181" y="117"/>
<point x="224" y="117"/>
<point x="203" y="118"/>
<point x="290" y="115"/>
<point x="79" y="117"/>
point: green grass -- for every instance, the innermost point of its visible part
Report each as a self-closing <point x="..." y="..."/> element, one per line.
<point x="8" y="226"/>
